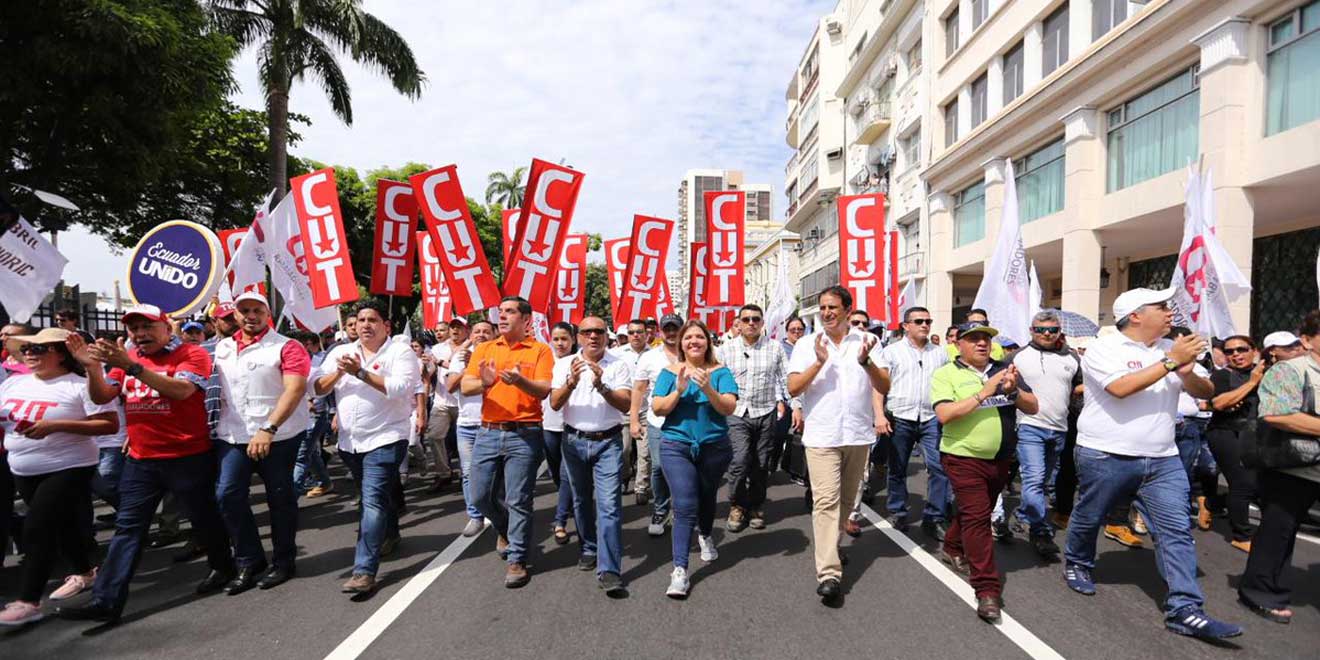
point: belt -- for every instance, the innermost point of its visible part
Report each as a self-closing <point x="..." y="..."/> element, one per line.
<point x="595" y="435"/>
<point x="510" y="426"/>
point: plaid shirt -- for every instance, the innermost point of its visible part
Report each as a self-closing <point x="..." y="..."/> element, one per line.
<point x="761" y="371"/>
<point x="213" y="389"/>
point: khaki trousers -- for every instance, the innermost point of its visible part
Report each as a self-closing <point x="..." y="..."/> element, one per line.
<point x="835" y="473"/>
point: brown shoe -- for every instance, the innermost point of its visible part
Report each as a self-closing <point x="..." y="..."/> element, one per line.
<point x="321" y="491"/>
<point x="1203" y="514"/>
<point x="957" y="563"/>
<point x="1059" y="520"/>
<point x="988" y="608"/>
<point x="501" y="546"/>
<point x="516" y="576"/>
<point x="737" y="519"/>
<point x="757" y="520"/>
<point x="1123" y="536"/>
<point x="1244" y="546"/>
<point x="360" y="583"/>
<point x="852" y="527"/>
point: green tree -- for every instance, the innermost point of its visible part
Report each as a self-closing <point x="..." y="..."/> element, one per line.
<point x="99" y="101"/>
<point x="298" y="39"/>
<point x="598" y="292"/>
<point x="506" y="189"/>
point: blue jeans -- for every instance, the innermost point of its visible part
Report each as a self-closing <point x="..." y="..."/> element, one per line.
<point x="1038" y="456"/>
<point x="231" y="492"/>
<point x="309" y="461"/>
<point x="142" y="484"/>
<point x="938" y="495"/>
<point x="1194" y="450"/>
<point x="554" y="455"/>
<point x="105" y="484"/>
<point x="660" y="499"/>
<point x="1161" y="490"/>
<point x="376" y="473"/>
<point x="519" y="453"/>
<point x="467" y="436"/>
<point x="593" y="473"/>
<point x="694" y="475"/>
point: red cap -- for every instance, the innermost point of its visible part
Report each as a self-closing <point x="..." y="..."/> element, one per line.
<point x="149" y="312"/>
<point x="223" y="309"/>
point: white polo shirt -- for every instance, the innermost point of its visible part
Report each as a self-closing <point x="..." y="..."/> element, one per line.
<point x="369" y="419"/>
<point x="469" y="406"/>
<point x="442" y="353"/>
<point x="586" y="409"/>
<point x="648" y="369"/>
<point x="836" y="406"/>
<point x="1141" y="424"/>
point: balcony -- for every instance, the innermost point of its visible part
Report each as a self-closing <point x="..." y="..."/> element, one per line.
<point x="791" y="128"/>
<point x="873" y="122"/>
<point x="912" y="265"/>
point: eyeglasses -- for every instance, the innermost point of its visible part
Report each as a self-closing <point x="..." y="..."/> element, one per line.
<point x="35" y="349"/>
<point x="750" y="319"/>
<point x="591" y="331"/>
<point x="1044" y="330"/>
<point x="922" y="321"/>
<point x="796" y="331"/>
<point x="1235" y="351"/>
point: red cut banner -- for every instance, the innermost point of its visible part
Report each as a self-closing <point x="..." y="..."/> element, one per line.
<point x="664" y="303"/>
<point x="509" y="223"/>
<point x="697" y="307"/>
<point x="862" y="252"/>
<point x="435" y="292"/>
<point x="646" y="266"/>
<point x="323" y="238"/>
<point x="462" y="259"/>
<point x="568" y="301"/>
<point x="894" y="312"/>
<point x="616" y="262"/>
<point x="726" y="216"/>
<point x="543" y="223"/>
<point x="230" y="240"/>
<point x="392" y="258"/>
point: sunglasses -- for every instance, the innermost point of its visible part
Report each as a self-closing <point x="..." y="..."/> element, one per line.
<point x="35" y="349"/>
<point x="591" y="331"/>
<point x="796" y="331"/>
<point x="857" y="324"/>
<point x="922" y="321"/>
<point x="1044" y="330"/>
<point x="1235" y="351"/>
<point x="750" y="319"/>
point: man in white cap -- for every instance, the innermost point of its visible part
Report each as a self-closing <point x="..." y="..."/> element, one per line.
<point x="263" y="418"/>
<point x="1283" y="345"/>
<point x="1125" y="447"/>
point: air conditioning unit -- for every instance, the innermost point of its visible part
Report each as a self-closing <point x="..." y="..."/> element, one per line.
<point x="891" y="66"/>
<point x="861" y="177"/>
<point x="858" y="105"/>
<point x="834" y="153"/>
<point x="833" y="26"/>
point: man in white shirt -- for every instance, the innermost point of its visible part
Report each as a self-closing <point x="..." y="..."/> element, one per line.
<point x="909" y="363"/>
<point x="592" y="388"/>
<point x="1125" y="446"/>
<point x="631" y="352"/>
<point x="444" y="405"/>
<point x="263" y="420"/>
<point x="468" y="421"/>
<point x="374" y="381"/>
<point x="648" y="369"/>
<point x="835" y="371"/>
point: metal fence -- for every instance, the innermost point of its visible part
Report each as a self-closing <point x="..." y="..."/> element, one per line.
<point x="94" y="320"/>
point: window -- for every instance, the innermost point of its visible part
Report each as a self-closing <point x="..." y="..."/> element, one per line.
<point x="1105" y="14"/>
<point x="704" y="184"/>
<point x="1055" y="44"/>
<point x="810" y="117"/>
<point x="1040" y="182"/>
<point x="1292" y="70"/>
<point x="951" y="33"/>
<point x="969" y="215"/>
<point x="1156" y="132"/>
<point x="808" y="176"/>
<point x="950" y="123"/>
<point x="911" y="146"/>
<point x="1013" y="68"/>
<point x="979" y="10"/>
<point x="980" y="90"/>
<point x="857" y="50"/>
<point x="914" y="58"/>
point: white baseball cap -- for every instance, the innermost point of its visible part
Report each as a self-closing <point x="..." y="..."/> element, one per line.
<point x="149" y="312"/>
<point x="1281" y="338"/>
<point x="251" y="295"/>
<point x="1131" y="301"/>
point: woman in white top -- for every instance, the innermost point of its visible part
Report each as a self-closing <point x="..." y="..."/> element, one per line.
<point x="50" y="422"/>
<point x="563" y="343"/>
<point x="469" y="418"/>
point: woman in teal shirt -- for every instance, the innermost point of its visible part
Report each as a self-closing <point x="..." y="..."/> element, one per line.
<point x="694" y="396"/>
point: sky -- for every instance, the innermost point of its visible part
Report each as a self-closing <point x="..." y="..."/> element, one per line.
<point x="632" y="94"/>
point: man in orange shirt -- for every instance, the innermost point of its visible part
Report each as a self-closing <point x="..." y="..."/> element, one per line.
<point x="512" y="372"/>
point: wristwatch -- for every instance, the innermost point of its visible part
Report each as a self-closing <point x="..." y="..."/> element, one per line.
<point x="360" y="374"/>
<point x="135" y="370"/>
<point x="270" y="428"/>
<point x="1171" y="365"/>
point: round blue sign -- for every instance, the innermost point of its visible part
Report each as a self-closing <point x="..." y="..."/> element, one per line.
<point x="176" y="267"/>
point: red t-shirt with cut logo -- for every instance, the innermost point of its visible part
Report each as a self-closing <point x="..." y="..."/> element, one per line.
<point x="160" y="427"/>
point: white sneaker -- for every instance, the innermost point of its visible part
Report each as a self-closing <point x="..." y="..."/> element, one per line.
<point x="708" y="551"/>
<point x="74" y="585"/>
<point x="678" y="584"/>
<point x="657" y="526"/>
<point x="473" y="527"/>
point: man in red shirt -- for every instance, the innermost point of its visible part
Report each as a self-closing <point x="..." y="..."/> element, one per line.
<point x="163" y="382"/>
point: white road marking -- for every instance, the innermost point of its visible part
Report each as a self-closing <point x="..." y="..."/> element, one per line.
<point x="1305" y="537"/>
<point x="1014" y="631"/>
<point x="375" y="625"/>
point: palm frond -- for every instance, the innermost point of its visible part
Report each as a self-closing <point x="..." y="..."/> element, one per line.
<point x="321" y="63"/>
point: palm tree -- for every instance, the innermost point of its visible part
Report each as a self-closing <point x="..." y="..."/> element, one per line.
<point x="507" y="189"/>
<point x="298" y="39"/>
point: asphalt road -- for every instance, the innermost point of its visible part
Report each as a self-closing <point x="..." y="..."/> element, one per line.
<point x="756" y="601"/>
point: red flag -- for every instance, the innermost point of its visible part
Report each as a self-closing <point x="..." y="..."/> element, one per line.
<point x="396" y="221"/>
<point x="664" y="303"/>
<point x="646" y="266"/>
<point x="542" y="225"/>
<point x="697" y="307"/>
<point x="725" y="273"/>
<point x="862" y="252"/>
<point x="616" y="262"/>
<point x="568" y="301"/>
<point x="462" y="259"/>
<point x="509" y="221"/>
<point x="895" y="314"/>
<point x="230" y="240"/>
<point x="435" y="293"/>
<point x="323" y="238"/>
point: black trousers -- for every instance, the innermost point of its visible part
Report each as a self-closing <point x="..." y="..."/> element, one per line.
<point x="1227" y="445"/>
<point x="58" y="504"/>
<point x="6" y="504"/>
<point x="749" y="472"/>
<point x="1284" y="501"/>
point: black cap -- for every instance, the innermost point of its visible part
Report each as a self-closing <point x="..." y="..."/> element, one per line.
<point x="671" y="319"/>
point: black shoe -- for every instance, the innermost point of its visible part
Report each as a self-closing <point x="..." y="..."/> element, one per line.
<point x="215" y="581"/>
<point x="277" y="576"/>
<point x="162" y="539"/>
<point x="898" y="521"/>
<point x="1001" y="531"/>
<point x="934" y="528"/>
<point x="93" y="611"/>
<point x="829" y="589"/>
<point x="246" y="579"/>
<point x="586" y="563"/>
<point x="1045" y="546"/>
<point x="612" y="584"/>
<point x="190" y="551"/>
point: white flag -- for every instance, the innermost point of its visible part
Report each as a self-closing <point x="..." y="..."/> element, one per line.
<point x="1005" y="289"/>
<point x="288" y="268"/>
<point x="29" y="268"/>
<point x="405" y="336"/>
<point x="781" y="305"/>
<point x="248" y="263"/>
<point x="907" y="297"/>
<point x="1205" y="278"/>
<point x="1035" y="294"/>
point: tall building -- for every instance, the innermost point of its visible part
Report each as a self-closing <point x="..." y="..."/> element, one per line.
<point x="760" y="225"/>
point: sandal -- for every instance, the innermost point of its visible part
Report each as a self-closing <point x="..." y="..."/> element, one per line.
<point x="561" y="535"/>
<point x="1281" y="615"/>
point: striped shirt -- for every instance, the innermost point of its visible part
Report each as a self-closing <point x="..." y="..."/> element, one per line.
<point x="910" y="369"/>
<point x="213" y="388"/>
<point x="761" y="372"/>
